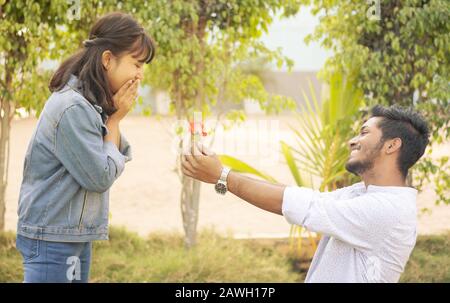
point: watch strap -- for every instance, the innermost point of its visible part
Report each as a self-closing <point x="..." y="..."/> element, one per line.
<point x="224" y="174"/>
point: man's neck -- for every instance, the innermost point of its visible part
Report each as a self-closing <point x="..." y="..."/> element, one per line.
<point x="387" y="178"/>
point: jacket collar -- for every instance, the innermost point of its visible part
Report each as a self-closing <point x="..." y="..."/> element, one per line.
<point x="75" y="84"/>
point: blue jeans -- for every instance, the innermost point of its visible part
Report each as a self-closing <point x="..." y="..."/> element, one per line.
<point x="54" y="262"/>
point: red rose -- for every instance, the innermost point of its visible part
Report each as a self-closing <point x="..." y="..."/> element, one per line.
<point x="197" y="128"/>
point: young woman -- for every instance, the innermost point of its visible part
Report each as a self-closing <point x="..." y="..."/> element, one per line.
<point x="77" y="151"/>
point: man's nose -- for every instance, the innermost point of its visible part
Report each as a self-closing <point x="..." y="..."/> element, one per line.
<point x="352" y="142"/>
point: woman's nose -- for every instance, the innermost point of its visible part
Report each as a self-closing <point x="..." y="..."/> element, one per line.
<point x="139" y="76"/>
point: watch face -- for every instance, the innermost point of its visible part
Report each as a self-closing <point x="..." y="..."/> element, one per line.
<point x="221" y="188"/>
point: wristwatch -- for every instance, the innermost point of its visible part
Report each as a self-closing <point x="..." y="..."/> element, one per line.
<point x="221" y="185"/>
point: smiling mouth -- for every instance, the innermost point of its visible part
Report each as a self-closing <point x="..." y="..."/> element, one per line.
<point x="354" y="150"/>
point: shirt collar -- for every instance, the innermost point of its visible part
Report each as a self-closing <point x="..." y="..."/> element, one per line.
<point x="360" y="186"/>
<point x="376" y="188"/>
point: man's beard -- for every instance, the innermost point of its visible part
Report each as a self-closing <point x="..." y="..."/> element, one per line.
<point x="360" y="167"/>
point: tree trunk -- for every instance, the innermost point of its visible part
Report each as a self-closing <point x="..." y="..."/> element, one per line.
<point x="190" y="191"/>
<point x="190" y="196"/>
<point x="5" y="123"/>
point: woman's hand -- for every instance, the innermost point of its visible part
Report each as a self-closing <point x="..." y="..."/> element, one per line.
<point x="124" y="99"/>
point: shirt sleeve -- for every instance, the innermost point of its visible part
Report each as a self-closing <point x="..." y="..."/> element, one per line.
<point x="93" y="163"/>
<point x="359" y="221"/>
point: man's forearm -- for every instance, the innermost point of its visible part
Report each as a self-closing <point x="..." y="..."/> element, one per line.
<point x="262" y="194"/>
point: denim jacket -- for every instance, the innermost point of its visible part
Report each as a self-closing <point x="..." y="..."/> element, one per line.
<point x="68" y="171"/>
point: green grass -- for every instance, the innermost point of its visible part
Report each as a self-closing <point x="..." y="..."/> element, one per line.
<point x="10" y="259"/>
<point x="430" y="260"/>
<point x="161" y="257"/>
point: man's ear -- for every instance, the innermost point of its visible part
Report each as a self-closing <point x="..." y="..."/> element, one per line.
<point x="393" y="145"/>
<point x="106" y="59"/>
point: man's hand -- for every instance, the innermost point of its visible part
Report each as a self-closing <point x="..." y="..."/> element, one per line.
<point x="204" y="165"/>
<point x="201" y="164"/>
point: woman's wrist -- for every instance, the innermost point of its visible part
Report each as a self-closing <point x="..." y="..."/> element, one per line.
<point x="113" y="131"/>
<point x="113" y="119"/>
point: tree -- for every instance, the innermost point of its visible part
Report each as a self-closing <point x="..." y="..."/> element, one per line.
<point x="401" y="57"/>
<point x="200" y="43"/>
<point x="26" y="28"/>
<point x="200" y="46"/>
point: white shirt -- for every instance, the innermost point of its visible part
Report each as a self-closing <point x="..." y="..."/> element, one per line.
<point x="367" y="234"/>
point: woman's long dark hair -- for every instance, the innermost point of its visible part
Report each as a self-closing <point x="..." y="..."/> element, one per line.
<point x="116" y="32"/>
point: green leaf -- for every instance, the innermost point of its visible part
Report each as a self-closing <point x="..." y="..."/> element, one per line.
<point x="286" y="150"/>
<point x="242" y="167"/>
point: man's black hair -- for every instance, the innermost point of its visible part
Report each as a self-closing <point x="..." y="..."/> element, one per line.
<point x="409" y="126"/>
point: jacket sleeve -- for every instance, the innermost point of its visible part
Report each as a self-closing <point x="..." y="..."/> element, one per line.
<point x="125" y="148"/>
<point x="93" y="163"/>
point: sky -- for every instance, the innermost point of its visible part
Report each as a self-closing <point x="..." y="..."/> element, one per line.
<point x="289" y="33"/>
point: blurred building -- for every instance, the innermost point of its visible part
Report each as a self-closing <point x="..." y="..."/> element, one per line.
<point x="291" y="84"/>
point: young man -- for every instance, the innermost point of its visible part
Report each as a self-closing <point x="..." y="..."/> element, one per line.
<point x="369" y="228"/>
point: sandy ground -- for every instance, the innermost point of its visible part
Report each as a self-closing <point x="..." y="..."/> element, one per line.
<point x="146" y="197"/>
